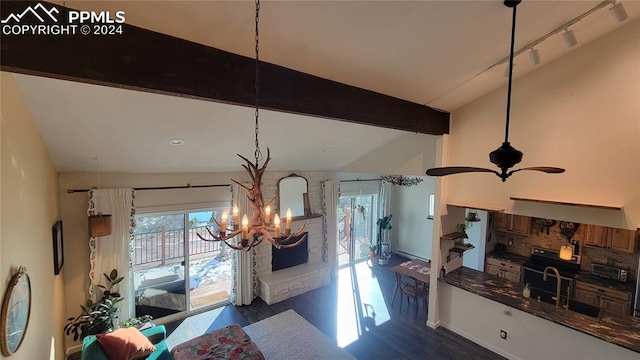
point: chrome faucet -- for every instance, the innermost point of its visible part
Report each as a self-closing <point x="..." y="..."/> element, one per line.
<point x="544" y="277"/>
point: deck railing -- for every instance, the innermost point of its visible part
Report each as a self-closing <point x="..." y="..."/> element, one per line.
<point x="161" y="247"/>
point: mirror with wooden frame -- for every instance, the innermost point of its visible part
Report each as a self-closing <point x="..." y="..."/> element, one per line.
<point x="16" y="309"/>
<point x="293" y="194"/>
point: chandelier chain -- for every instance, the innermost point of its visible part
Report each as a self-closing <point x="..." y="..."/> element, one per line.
<point x="258" y="153"/>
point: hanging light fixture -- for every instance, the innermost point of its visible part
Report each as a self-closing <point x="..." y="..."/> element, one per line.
<point x="260" y="227"/>
<point x="99" y="224"/>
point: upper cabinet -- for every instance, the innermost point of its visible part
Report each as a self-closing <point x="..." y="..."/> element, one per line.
<point x="515" y="224"/>
<point x="614" y="239"/>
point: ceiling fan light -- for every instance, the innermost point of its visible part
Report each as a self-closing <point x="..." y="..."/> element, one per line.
<point x="534" y="57"/>
<point x="569" y="38"/>
<point x="618" y="12"/>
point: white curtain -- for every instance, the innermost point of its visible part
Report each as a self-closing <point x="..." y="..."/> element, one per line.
<point x="329" y="226"/>
<point x="244" y="274"/>
<point x="113" y="251"/>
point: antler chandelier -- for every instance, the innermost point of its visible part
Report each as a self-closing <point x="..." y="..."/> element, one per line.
<point x="260" y="228"/>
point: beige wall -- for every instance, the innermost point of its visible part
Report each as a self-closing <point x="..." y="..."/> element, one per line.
<point x="29" y="210"/>
<point x="582" y="113"/>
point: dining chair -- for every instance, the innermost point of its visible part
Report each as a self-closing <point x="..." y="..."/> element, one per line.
<point x="416" y="290"/>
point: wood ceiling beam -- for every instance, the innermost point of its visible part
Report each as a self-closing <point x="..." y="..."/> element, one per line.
<point x="144" y="60"/>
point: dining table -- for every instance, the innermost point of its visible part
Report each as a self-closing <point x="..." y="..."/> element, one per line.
<point x="416" y="269"/>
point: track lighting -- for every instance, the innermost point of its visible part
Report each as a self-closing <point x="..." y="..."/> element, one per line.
<point x="505" y="73"/>
<point x="534" y="56"/>
<point x="569" y="38"/>
<point x="618" y="12"/>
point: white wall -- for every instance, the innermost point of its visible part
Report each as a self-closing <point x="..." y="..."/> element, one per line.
<point x="413" y="235"/>
<point x="29" y="209"/>
<point x="411" y="154"/>
<point x="528" y="336"/>
<point x="581" y="113"/>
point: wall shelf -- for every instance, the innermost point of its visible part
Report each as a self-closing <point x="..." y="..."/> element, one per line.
<point x="454" y="236"/>
<point x="304" y="217"/>
<point x="595" y="206"/>
<point x="458" y="250"/>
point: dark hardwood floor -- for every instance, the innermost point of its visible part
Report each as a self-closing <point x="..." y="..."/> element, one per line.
<point x="380" y="332"/>
<point x="401" y="337"/>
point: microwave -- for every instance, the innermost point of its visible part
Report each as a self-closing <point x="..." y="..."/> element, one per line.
<point x="610" y="272"/>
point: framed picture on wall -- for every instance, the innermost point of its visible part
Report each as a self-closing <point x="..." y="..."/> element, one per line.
<point x="58" y="247"/>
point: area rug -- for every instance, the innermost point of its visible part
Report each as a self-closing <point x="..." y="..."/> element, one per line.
<point x="288" y="336"/>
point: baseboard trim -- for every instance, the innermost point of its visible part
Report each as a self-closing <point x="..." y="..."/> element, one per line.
<point x="411" y="256"/>
<point x="433" y="325"/>
<point x="74" y="349"/>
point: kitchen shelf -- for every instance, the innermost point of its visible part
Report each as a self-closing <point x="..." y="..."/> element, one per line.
<point x="606" y="207"/>
<point x="459" y="251"/>
<point x="454" y="236"/>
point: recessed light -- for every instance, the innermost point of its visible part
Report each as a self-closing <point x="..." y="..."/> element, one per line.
<point x="176" y="141"/>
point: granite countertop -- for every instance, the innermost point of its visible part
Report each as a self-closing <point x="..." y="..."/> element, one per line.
<point x="508" y="257"/>
<point x="610" y="284"/>
<point x="622" y="330"/>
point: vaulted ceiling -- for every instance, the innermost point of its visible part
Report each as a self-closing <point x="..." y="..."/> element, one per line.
<point x="434" y="53"/>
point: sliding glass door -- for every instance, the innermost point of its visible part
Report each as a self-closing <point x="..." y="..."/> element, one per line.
<point x="355" y="227"/>
<point x="174" y="271"/>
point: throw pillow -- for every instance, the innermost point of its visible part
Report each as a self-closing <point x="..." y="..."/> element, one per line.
<point x="125" y="344"/>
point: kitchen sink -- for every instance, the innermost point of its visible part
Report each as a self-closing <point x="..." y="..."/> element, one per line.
<point x="574" y="305"/>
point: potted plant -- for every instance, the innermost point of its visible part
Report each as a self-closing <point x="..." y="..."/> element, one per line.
<point x="372" y="251"/>
<point x="97" y="317"/>
<point x="384" y="224"/>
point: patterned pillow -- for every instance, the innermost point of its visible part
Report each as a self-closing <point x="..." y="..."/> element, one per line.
<point x="125" y="344"/>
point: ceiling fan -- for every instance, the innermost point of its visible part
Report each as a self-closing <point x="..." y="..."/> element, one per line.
<point x="506" y="156"/>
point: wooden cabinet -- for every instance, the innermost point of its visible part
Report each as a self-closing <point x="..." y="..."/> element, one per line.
<point x="515" y="224"/>
<point x="503" y="269"/>
<point x="615" y="239"/>
<point x="608" y="299"/>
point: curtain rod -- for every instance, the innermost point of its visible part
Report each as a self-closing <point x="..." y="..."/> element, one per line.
<point x="357" y="180"/>
<point x="188" y="186"/>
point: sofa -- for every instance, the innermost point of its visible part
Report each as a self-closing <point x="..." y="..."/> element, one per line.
<point x="91" y="349"/>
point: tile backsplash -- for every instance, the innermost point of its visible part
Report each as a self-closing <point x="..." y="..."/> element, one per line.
<point x="522" y="245"/>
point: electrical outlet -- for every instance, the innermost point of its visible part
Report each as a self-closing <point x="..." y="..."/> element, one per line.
<point x="503" y="334"/>
<point x="510" y="241"/>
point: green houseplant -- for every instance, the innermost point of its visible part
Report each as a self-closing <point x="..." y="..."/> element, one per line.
<point x="97" y="317"/>
<point x="384" y="224"/>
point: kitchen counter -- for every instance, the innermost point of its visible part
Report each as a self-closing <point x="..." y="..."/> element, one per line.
<point x="508" y="257"/>
<point x="622" y="330"/>
<point x="610" y="284"/>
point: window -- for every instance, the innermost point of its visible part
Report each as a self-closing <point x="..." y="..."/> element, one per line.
<point x="432" y="207"/>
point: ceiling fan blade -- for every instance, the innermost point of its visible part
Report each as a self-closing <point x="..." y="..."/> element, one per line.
<point x="450" y="170"/>
<point x="546" y="169"/>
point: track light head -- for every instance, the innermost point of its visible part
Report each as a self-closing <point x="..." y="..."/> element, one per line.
<point x="505" y="73"/>
<point x="569" y="38"/>
<point x="534" y="57"/>
<point x="618" y="12"/>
